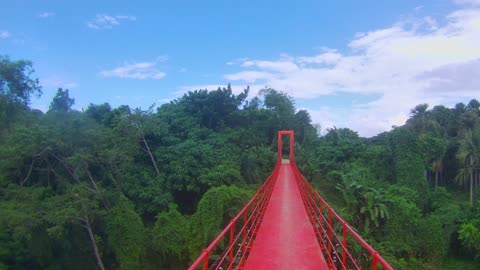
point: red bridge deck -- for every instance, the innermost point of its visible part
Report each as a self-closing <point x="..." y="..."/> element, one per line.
<point x="286" y="239"/>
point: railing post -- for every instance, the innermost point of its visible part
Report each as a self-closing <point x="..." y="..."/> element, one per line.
<point x="245" y="217"/>
<point x="320" y="215"/>
<point x="292" y="148"/>
<point x="205" y="260"/>
<point x="320" y="206"/>
<point x="244" y="232"/>
<point x="232" y="234"/>
<point x="330" y="229"/>
<point x="344" y="255"/>
<point x="374" y="260"/>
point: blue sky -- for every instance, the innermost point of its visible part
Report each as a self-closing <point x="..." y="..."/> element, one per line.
<point x="359" y="64"/>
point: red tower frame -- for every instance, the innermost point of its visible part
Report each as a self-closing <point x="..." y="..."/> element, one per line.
<point x="280" y="144"/>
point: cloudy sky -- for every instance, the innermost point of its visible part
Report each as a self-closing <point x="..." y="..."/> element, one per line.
<point x="357" y="64"/>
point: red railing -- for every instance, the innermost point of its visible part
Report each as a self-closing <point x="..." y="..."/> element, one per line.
<point x="231" y="247"/>
<point x="341" y="245"/>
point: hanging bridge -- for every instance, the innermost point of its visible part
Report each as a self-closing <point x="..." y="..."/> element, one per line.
<point x="288" y="225"/>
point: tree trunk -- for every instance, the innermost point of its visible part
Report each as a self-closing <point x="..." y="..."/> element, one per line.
<point x="151" y="156"/>
<point x="441" y="177"/>
<point x="475" y="184"/>
<point x="105" y="202"/>
<point x="28" y="174"/>
<point x="471" y="188"/>
<point x="436" y="179"/>
<point x="426" y="177"/>
<point x="444" y="179"/>
<point x="98" y="258"/>
<point x="69" y="169"/>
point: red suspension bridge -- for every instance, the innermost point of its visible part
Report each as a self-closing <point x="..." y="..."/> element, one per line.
<point x="288" y="225"/>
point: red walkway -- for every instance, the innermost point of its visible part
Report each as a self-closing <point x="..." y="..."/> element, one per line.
<point x="285" y="239"/>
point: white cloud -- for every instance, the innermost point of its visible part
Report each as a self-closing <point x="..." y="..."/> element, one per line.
<point x="327" y="117"/>
<point x="278" y="66"/>
<point x="468" y="2"/>
<point x="103" y="21"/>
<point x="58" y="81"/>
<point x="248" y="76"/>
<point x="328" y="57"/>
<point x="405" y="64"/>
<point x="418" y="8"/>
<point x="141" y="70"/>
<point x="4" y="34"/>
<point x="45" y="14"/>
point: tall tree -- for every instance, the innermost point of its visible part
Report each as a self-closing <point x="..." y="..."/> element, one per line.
<point x="16" y="88"/>
<point x="78" y="206"/>
<point x="125" y="234"/>
<point x="419" y="118"/>
<point x="474" y="105"/>
<point x="408" y="166"/>
<point x="469" y="155"/>
<point x="434" y="150"/>
<point x="142" y="122"/>
<point x="62" y="102"/>
<point x="15" y="82"/>
<point x="282" y="105"/>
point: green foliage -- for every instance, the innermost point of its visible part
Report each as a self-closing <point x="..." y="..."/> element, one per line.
<point x="16" y="89"/>
<point x="15" y="82"/>
<point x="125" y="234"/>
<point x="469" y="156"/>
<point x="20" y="223"/>
<point x="62" y="102"/>
<point x="170" y="237"/>
<point x="342" y="145"/>
<point x="408" y="165"/>
<point x="78" y="205"/>
<point x="215" y="209"/>
<point x="101" y="113"/>
<point x="20" y="211"/>
<point x="431" y="243"/>
<point x="469" y="234"/>
<point x="410" y="263"/>
<point x="366" y="205"/>
<point x="281" y="104"/>
<point x="255" y="164"/>
<point x="377" y="161"/>
<point x="401" y="227"/>
<point x="454" y="263"/>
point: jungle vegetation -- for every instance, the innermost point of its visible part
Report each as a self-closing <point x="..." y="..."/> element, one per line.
<point x="129" y="188"/>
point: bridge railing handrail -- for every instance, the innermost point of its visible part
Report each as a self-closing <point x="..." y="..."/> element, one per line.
<point x="204" y="256"/>
<point x="376" y="258"/>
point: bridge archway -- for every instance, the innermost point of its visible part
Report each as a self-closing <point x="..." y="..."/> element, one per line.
<point x="280" y="144"/>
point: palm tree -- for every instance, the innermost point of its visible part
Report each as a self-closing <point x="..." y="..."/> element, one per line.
<point x="437" y="167"/>
<point x="422" y="122"/>
<point x="374" y="208"/>
<point x="439" y="146"/>
<point x="368" y="205"/>
<point x="433" y="149"/>
<point x="419" y="118"/>
<point x="469" y="155"/>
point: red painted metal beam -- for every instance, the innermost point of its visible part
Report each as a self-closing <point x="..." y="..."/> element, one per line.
<point x="290" y="133"/>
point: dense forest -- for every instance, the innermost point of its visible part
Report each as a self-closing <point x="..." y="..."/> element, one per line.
<point x="128" y="188"/>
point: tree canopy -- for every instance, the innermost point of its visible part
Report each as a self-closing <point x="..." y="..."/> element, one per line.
<point x="149" y="188"/>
